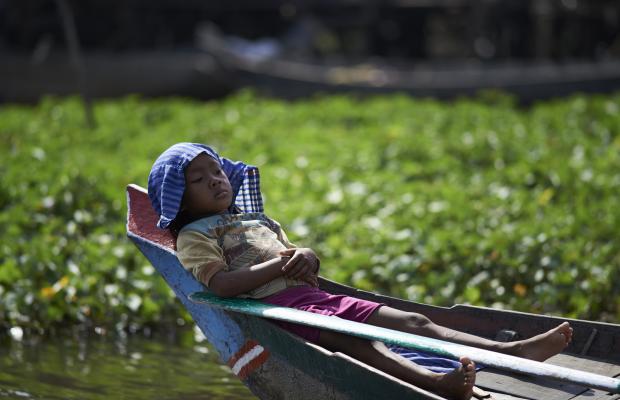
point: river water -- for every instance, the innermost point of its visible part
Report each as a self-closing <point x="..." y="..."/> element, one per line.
<point x="105" y="367"/>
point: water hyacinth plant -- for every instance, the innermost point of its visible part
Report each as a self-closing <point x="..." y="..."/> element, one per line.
<point x="470" y="201"/>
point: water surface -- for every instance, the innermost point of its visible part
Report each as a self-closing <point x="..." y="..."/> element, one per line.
<point x="103" y="367"/>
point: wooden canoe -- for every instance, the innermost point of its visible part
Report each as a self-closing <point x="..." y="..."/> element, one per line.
<point x="290" y="77"/>
<point x="275" y="364"/>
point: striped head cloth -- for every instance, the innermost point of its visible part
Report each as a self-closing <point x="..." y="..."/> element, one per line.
<point x="167" y="181"/>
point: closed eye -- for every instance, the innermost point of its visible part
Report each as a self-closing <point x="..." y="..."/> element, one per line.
<point x="196" y="180"/>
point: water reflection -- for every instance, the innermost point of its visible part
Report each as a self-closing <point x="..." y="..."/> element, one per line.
<point x="101" y="367"/>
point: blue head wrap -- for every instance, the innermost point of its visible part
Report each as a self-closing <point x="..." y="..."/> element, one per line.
<point x="167" y="181"/>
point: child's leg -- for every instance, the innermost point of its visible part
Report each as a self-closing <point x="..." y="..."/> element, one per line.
<point x="537" y="348"/>
<point x="457" y="384"/>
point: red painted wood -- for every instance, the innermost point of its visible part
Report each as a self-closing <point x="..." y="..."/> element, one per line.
<point x="251" y="365"/>
<point x="142" y="219"/>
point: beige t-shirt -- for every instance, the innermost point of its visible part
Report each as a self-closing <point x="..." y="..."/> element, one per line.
<point x="230" y="242"/>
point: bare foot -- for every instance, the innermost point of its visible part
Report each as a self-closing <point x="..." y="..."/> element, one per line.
<point x="458" y="384"/>
<point x="545" y="345"/>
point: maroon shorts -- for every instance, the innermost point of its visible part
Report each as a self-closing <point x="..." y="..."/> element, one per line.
<point x="315" y="300"/>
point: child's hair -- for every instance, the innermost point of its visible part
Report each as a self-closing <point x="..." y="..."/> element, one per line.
<point x="166" y="184"/>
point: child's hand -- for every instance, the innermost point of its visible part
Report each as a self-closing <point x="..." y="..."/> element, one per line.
<point x="303" y="265"/>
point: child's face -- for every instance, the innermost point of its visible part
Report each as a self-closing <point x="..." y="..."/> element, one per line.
<point x="207" y="189"/>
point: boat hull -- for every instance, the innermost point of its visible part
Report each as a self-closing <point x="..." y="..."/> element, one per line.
<point x="275" y="364"/>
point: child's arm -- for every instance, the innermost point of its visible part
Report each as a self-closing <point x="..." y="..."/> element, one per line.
<point x="303" y="263"/>
<point x="233" y="283"/>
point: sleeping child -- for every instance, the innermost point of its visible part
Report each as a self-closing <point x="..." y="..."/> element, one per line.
<point x="214" y="206"/>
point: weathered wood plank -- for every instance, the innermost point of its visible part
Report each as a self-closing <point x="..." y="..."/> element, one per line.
<point x="503" y="396"/>
<point x="511" y="384"/>
<point x="585" y="364"/>
<point x="524" y="386"/>
<point x="592" y="394"/>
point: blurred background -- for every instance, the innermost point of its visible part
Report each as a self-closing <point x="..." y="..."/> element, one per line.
<point x="207" y="49"/>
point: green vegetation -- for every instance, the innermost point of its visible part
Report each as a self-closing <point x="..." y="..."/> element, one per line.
<point x="472" y="201"/>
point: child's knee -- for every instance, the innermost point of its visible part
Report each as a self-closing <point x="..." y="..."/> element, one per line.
<point x="418" y="321"/>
